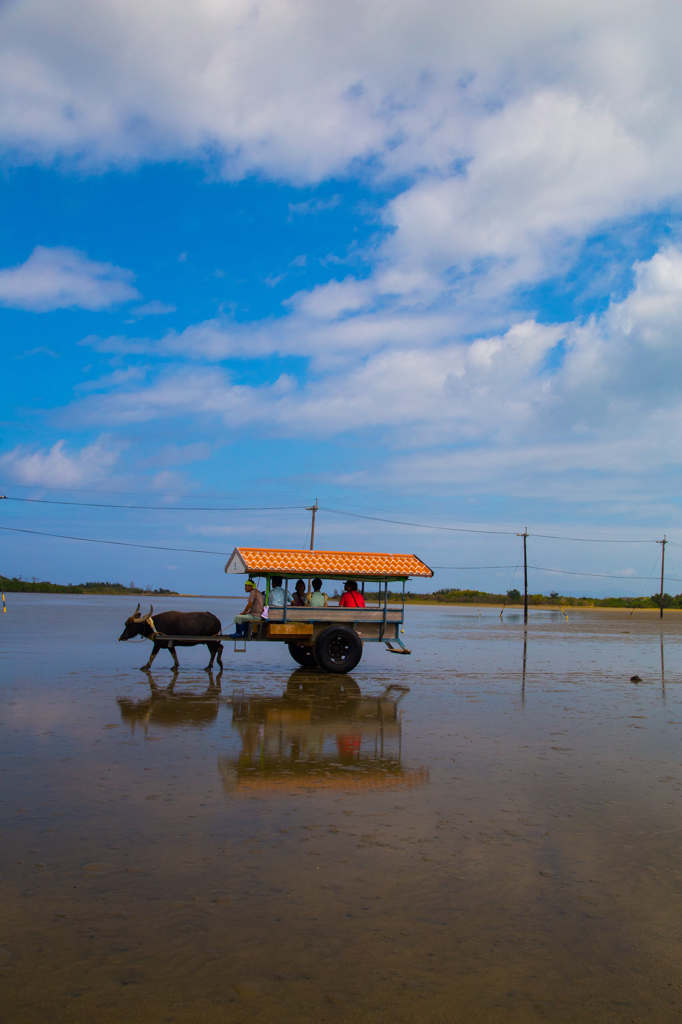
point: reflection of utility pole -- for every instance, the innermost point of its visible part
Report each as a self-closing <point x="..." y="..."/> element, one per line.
<point x="523" y="676"/>
<point x="662" y="668"/>
<point x="313" y="509"/>
<point x="4" y="606"/>
<point x="525" y="573"/>
<point x="663" y="544"/>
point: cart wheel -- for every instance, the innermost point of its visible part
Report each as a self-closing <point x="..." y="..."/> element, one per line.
<point x="338" y="649"/>
<point x="303" y="655"/>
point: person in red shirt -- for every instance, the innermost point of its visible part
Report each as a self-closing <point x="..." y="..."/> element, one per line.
<point x="351" y="597"/>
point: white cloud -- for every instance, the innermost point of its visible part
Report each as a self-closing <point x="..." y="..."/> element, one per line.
<point x="153" y="308"/>
<point x="58" y="467"/>
<point x="513" y="130"/>
<point x="526" y="410"/>
<point x="112" y="380"/>
<point x="39" y="350"/>
<point x="519" y="128"/>
<point x="448" y="385"/>
<point x="304" y="88"/>
<point x="60" y="277"/>
<point x="544" y="169"/>
<point x="313" y="206"/>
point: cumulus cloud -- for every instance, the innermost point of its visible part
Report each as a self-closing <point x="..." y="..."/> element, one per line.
<point x="307" y="86"/>
<point x="59" y="278"/>
<point x="59" y="467"/>
<point x="517" y="409"/>
<point x="469" y="388"/>
<point x="514" y="129"/>
<point x="503" y="134"/>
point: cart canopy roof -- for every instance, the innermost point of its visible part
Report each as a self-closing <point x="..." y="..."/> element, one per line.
<point x="332" y="565"/>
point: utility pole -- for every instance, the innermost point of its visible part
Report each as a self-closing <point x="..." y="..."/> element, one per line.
<point x="4" y="606"/>
<point x="525" y="574"/>
<point x="663" y="544"/>
<point x="313" y="509"/>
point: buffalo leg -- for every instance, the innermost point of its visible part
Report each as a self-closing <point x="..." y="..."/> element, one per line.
<point x="157" y="648"/>
<point x="176" y="663"/>
<point x="215" y="648"/>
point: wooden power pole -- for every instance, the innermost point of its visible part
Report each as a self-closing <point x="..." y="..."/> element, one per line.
<point x="313" y="509"/>
<point x="663" y="544"/>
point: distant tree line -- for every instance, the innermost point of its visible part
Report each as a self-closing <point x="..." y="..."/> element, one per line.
<point x="18" y="585"/>
<point x="515" y="597"/>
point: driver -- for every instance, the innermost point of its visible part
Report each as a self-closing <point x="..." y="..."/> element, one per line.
<point x="253" y="612"/>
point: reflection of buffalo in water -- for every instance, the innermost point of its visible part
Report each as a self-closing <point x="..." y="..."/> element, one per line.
<point x="322" y="732"/>
<point x="167" y="709"/>
<point x="172" y="624"/>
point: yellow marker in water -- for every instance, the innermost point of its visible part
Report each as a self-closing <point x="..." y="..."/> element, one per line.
<point x="4" y="606"/>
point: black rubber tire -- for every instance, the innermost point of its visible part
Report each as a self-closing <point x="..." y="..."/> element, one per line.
<point x="303" y="655"/>
<point x="337" y="649"/>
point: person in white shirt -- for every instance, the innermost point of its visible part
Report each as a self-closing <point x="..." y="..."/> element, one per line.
<point x="276" y="598"/>
<point x="317" y="599"/>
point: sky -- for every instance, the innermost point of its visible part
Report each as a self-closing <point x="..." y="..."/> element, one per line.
<point x="421" y="262"/>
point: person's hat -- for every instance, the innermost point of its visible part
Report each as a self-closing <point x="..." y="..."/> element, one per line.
<point x="250" y="583"/>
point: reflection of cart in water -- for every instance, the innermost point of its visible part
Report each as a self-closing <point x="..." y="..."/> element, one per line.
<point x="321" y="734"/>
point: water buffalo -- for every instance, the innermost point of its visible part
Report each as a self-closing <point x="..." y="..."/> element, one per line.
<point x="172" y="624"/>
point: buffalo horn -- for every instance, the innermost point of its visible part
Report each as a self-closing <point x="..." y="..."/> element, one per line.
<point x="151" y="612"/>
<point x="134" y="615"/>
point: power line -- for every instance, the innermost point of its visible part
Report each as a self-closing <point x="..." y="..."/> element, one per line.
<point x="119" y="543"/>
<point x="200" y="551"/>
<point x="161" y="508"/>
<point x="592" y="540"/>
<point x="564" y="572"/>
<point x="139" y="494"/>
<point x="462" y="529"/>
<point x="475" y="566"/>
<point x="333" y="511"/>
<point x="421" y="526"/>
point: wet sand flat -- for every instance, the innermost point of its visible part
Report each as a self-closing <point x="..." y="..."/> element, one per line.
<point x="487" y="830"/>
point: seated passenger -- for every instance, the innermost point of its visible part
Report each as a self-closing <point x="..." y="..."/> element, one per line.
<point x="351" y="597"/>
<point x="299" y="598"/>
<point x="253" y="612"/>
<point x="317" y="599"/>
<point x="276" y="596"/>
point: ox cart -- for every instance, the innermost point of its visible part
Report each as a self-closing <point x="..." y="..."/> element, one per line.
<point x="329" y="638"/>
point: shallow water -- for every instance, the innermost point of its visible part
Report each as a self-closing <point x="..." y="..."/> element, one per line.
<point x="275" y="845"/>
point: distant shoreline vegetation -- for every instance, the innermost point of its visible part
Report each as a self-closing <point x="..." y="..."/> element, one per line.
<point x="511" y="599"/>
<point x="33" y="586"/>
<point x="515" y="597"/>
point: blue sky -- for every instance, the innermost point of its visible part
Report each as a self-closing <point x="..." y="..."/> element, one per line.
<point x="422" y="264"/>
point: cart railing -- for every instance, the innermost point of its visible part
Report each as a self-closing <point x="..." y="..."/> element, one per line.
<point x="335" y="615"/>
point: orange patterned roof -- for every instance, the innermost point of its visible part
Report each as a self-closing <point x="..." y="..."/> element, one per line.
<point x="354" y="564"/>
